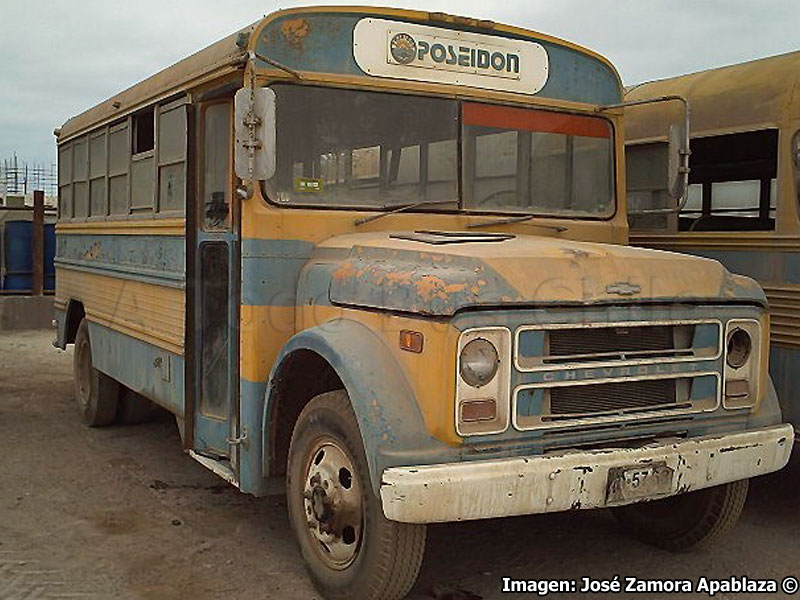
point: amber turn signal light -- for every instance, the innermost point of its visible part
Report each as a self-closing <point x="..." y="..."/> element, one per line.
<point x="411" y="341"/>
<point x="478" y="410"/>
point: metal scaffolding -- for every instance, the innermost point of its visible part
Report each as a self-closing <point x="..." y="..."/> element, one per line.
<point x="20" y="178"/>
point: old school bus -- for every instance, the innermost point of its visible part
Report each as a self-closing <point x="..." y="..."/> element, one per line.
<point x="743" y="205"/>
<point x="378" y="255"/>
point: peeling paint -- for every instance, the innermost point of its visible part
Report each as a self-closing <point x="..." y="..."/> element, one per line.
<point x="378" y="270"/>
<point x="295" y="32"/>
<point x="473" y="489"/>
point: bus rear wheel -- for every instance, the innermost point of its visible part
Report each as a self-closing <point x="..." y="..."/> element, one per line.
<point x="687" y="520"/>
<point x="96" y="393"/>
<point x="351" y="550"/>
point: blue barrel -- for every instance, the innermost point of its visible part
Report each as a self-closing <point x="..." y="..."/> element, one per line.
<point x="49" y="256"/>
<point x="19" y="256"/>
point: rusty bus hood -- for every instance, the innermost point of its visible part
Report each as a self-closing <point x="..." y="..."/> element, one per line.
<point x="385" y="271"/>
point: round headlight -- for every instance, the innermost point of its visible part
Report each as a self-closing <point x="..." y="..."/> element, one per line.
<point x="478" y="362"/>
<point x="739" y="346"/>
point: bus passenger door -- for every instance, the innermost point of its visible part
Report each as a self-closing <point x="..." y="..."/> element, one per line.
<point x="216" y="292"/>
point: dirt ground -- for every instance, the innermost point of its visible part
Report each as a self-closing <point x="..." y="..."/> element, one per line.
<point x="123" y="513"/>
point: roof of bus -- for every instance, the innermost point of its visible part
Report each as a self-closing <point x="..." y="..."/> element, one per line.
<point x="744" y="96"/>
<point x="226" y="56"/>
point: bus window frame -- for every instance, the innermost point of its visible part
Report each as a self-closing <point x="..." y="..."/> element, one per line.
<point x="617" y="181"/>
<point x="230" y="177"/>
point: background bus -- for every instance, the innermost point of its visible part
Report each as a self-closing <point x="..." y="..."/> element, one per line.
<point x="743" y="201"/>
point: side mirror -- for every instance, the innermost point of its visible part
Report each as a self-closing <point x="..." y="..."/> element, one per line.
<point x="677" y="162"/>
<point x="649" y="163"/>
<point x="254" y="129"/>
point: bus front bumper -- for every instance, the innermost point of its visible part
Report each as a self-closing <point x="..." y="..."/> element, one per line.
<point x="483" y="489"/>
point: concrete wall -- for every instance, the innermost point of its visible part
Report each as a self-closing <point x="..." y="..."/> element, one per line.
<point x="26" y="312"/>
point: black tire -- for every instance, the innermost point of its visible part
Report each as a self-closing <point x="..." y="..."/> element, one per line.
<point x="96" y="393"/>
<point x="387" y="555"/>
<point x="687" y="520"/>
<point x="134" y="408"/>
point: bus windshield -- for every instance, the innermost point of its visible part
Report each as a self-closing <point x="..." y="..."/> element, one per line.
<point x="358" y="149"/>
<point x="536" y="161"/>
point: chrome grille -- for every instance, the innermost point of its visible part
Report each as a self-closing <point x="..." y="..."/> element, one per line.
<point x="564" y="346"/>
<point x="609" y="397"/>
<point x="576" y="375"/>
<point x="610" y="340"/>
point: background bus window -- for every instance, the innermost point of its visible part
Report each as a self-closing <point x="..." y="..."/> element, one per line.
<point x="732" y="184"/>
<point x="216" y="166"/>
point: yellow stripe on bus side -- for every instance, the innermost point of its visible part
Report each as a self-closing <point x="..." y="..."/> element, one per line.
<point x="263" y="332"/>
<point x="149" y="312"/>
<point x="128" y="227"/>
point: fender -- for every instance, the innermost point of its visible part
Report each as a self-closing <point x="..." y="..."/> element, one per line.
<point x="769" y="410"/>
<point x="392" y="427"/>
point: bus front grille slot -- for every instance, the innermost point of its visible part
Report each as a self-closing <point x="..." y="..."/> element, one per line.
<point x="568" y="343"/>
<point x="608" y="397"/>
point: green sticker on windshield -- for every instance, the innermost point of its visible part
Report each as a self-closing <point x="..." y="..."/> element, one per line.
<point x="308" y="184"/>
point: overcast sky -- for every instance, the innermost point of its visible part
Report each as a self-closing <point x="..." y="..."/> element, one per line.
<point x="59" y="57"/>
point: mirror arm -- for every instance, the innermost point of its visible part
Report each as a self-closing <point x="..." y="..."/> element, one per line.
<point x="683" y="169"/>
<point x="255" y="55"/>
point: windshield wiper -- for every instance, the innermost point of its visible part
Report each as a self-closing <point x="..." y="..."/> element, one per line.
<point x="519" y="219"/>
<point x="402" y="208"/>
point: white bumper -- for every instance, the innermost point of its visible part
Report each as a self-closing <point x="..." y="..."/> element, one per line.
<point x="484" y="489"/>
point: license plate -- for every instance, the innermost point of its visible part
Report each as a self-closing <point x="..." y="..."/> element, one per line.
<point x="641" y="481"/>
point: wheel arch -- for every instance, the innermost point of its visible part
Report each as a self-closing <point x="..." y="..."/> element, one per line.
<point x="392" y="428"/>
<point x="73" y="316"/>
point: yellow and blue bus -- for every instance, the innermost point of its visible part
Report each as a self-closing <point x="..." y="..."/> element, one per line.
<point x="378" y="256"/>
<point x="743" y="201"/>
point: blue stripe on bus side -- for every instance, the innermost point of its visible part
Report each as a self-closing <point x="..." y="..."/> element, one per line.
<point x="271" y="269"/>
<point x="766" y="266"/>
<point x="157" y="258"/>
<point x="151" y="371"/>
<point x="251" y="402"/>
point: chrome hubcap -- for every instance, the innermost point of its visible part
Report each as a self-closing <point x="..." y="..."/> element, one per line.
<point x="332" y="504"/>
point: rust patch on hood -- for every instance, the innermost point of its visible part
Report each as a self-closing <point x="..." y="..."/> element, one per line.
<point x="380" y="272"/>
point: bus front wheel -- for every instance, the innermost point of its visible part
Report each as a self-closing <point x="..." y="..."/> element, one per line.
<point x="96" y="393"/>
<point x="686" y="520"/>
<point x="351" y="550"/>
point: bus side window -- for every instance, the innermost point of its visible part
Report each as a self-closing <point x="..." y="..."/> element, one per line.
<point x="80" y="177"/>
<point x="65" y="181"/>
<point x="732" y="184"/>
<point x="736" y="173"/>
<point x="796" y="163"/>
<point x="216" y="166"/>
<point x="646" y="168"/>
<point x="171" y="149"/>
